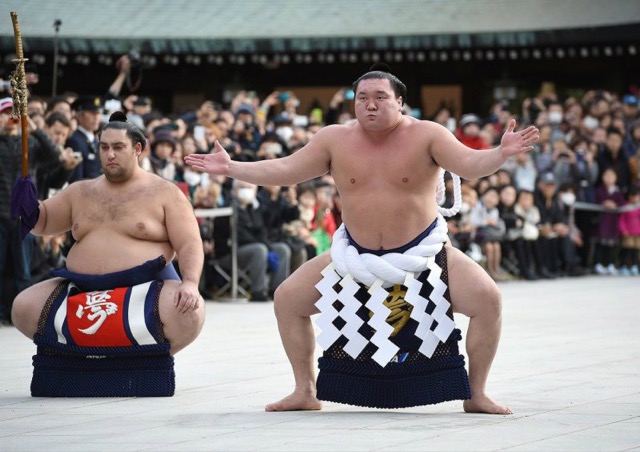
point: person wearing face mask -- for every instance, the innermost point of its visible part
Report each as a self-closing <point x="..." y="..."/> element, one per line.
<point x="282" y="126"/>
<point x="556" y="245"/>
<point x="555" y="117"/>
<point x="589" y="124"/>
<point x="555" y="114"/>
<point x="257" y="255"/>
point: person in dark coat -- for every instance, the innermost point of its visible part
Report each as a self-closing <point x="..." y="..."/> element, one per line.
<point x="257" y="255"/>
<point x="83" y="140"/>
<point x="612" y="156"/>
<point x="281" y="208"/>
<point x="556" y="248"/>
<point x="15" y="253"/>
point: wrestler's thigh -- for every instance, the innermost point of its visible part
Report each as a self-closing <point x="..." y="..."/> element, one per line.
<point x="28" y="305"/>
<point x="472" y="290"/>
<point x="297" y="294"/>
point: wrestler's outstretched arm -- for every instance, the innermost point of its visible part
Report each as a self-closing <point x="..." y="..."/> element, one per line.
<point x="311" y="161"/>
<point x="55" y="212"/>
<point x="184" y="236"/>
<point x="469" y="163"/>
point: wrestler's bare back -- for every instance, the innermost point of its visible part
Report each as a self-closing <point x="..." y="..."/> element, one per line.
<point x="387" y="185"/>
<point x="118" y="226"/>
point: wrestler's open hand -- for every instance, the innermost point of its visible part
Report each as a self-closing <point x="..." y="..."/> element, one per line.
<point x="514" y="143"/>
<point x="216" y="163"/>
<point x="186" y="297"/>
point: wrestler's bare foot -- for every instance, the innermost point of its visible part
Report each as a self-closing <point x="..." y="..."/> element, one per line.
<point x="484" y="404"/>
<point x="296" y="402"/>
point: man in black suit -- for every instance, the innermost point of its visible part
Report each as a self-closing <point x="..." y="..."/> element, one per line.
<point x="83" y="139"/>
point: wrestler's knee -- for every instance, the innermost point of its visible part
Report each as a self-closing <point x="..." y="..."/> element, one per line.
<point x="489" y="292"/>
<point x="282" y="297"/>
<point x="180" y="329"/>
<point x="289" y="300"/>
<point x="293" y="298"/>
<point x="28" y="304"/>
<point x="22" y="316"/>
<point x="193" y="321"/>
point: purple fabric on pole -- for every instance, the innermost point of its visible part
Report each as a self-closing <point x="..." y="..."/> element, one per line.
<point x="24" y="204"/>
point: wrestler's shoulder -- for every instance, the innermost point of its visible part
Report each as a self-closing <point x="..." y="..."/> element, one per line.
<point x="339" y="132"/>
<point x="82" y="186"/>
<point x="334" y="129"/>
<point x="423" y="129"/>
<point x="423" y="124"/>
<point x="160" y="183"/>
<point x="169" y="191"/>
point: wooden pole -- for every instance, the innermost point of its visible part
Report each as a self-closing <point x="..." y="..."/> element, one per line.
<point x="20" y="93"/>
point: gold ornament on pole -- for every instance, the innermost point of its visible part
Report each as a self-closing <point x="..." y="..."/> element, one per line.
<point x="20" y="93"/>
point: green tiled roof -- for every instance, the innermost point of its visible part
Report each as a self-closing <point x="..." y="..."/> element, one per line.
<point x="206" y="25"/>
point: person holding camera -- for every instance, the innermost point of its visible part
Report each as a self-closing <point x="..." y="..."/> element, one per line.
<point x="337" y="110"/>
<point x="565" y="162"/>
<point x="54" y="175"/>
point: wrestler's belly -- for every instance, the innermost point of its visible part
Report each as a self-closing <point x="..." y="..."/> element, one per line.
<point x="388" y="225"/>
<point x="103" y="252"/>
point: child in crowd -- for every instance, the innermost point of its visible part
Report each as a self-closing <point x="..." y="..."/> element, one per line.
<point x="529" y="254"/>
<point x="629" y="227"/>
<point x="607" y="234"/>
<point x="490" y="231"/>
<point x="324" y="224"/>
<point x="302" y="228"/>
<point x="524" y="172"/>
<point x="461" y="228"/>
<point x="513" y="228"/>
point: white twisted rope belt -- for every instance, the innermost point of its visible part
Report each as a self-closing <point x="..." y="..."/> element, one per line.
<point x="348" y="267"/>
<point x="391" y="268"/>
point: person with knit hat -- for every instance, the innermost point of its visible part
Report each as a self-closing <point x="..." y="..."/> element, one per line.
<point x="162" y="148"/>
<point x="469" y="132"/>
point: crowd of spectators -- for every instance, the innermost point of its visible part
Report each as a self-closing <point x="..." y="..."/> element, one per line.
<point x="528" y="220"/>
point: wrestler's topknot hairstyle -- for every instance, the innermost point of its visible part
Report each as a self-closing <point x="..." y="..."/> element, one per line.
<point x="118" y="121"/>
<point x="382" y="70"/>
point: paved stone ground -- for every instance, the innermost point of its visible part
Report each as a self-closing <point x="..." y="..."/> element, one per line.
<point x="568" y="365"/>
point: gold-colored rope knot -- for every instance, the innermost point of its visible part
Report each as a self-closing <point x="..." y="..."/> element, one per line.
<point x="19" y="91"/>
